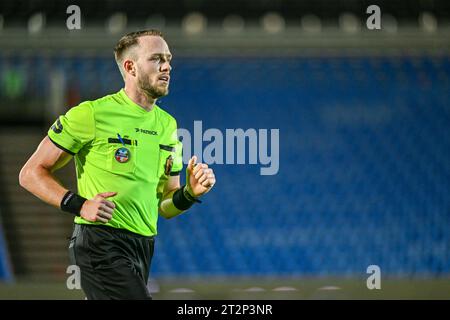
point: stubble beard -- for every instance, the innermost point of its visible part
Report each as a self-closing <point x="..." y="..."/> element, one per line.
<point x="155" y="91"/>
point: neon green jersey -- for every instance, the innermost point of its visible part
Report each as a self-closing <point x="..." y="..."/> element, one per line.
<point x="120" y="147"/>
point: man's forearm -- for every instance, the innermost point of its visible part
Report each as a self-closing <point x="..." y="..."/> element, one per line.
<point x="41" y="182"/>
<point x="167" y="208"/>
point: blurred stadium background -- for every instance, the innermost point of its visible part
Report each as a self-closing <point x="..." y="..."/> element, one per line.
<point x="364" y="120"/>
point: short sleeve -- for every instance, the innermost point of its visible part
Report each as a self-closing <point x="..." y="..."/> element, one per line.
<point x="177" y="159"/>
<point x="178" y="153"/>
<point x="73" y="130"/>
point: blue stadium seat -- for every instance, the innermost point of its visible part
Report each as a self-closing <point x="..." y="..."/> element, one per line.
<point x="364" y="171"/>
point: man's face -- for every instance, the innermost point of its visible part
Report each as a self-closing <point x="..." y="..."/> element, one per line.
<point x="153" y="66"/>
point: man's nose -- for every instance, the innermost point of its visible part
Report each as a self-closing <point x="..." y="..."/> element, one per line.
<point x="166" y="66"/>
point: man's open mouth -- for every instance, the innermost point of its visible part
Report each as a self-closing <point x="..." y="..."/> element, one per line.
<point x="164" y="78"/>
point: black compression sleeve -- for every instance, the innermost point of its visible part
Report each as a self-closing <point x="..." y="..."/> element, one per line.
<point x="182" y="200"/>
<point x="72" y="203"/>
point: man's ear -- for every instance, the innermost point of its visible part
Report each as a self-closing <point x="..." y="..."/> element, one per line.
<point x="129" y="67"/>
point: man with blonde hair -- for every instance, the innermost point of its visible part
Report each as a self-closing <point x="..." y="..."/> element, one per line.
<point x="128" y="160"/>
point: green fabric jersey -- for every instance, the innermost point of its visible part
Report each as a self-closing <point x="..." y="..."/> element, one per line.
<point x="120" y="147"/>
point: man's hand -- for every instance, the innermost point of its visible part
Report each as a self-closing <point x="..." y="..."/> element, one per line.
<point x="200" y="179"/>
<point x="98" y="209"/>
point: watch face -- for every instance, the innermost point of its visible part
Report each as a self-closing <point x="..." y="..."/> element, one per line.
<point x="122" y="155"/>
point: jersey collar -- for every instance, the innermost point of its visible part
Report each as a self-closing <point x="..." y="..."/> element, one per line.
<point x="133" y="104"/>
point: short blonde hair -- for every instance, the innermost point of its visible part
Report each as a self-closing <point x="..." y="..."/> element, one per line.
<point x="128" y="41"/>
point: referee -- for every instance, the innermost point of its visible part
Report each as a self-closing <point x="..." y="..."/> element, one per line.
<point x="128" y="160"/>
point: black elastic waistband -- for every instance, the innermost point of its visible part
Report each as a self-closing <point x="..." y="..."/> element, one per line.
<point x="116" y="230"/>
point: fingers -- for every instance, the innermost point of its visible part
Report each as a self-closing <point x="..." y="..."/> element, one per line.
<point x="209" y="181"/>
<point x="101" y="219"/>
<point x="107" y="208"/>
<point x="201" y="172"/>
<point x="191" y="163"/>
<point x="207" y="173"/>
<point x="198" y="168"/>
<point x="108" y="204"/>
<point x="97" y="210"/>
<point x="105" y="215"/>
<point x="206" y="177"/>
<point x="107" y="194"/>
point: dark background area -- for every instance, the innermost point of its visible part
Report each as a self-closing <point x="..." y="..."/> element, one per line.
<point x="364" y="163"/>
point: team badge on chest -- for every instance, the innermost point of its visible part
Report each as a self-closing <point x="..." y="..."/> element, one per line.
<point x="122" y="155"/>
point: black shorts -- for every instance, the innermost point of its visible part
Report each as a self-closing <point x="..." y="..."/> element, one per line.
<point x="114" y="263"/>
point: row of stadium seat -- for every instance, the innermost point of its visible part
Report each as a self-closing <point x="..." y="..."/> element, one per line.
<point x="333" y="75"/>
<point x="364" y="173"/>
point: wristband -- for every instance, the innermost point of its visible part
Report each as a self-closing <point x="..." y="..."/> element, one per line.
<point x="72" y="203"/>
<point x="182" y="200"/>
<point x="189" y="197"/>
